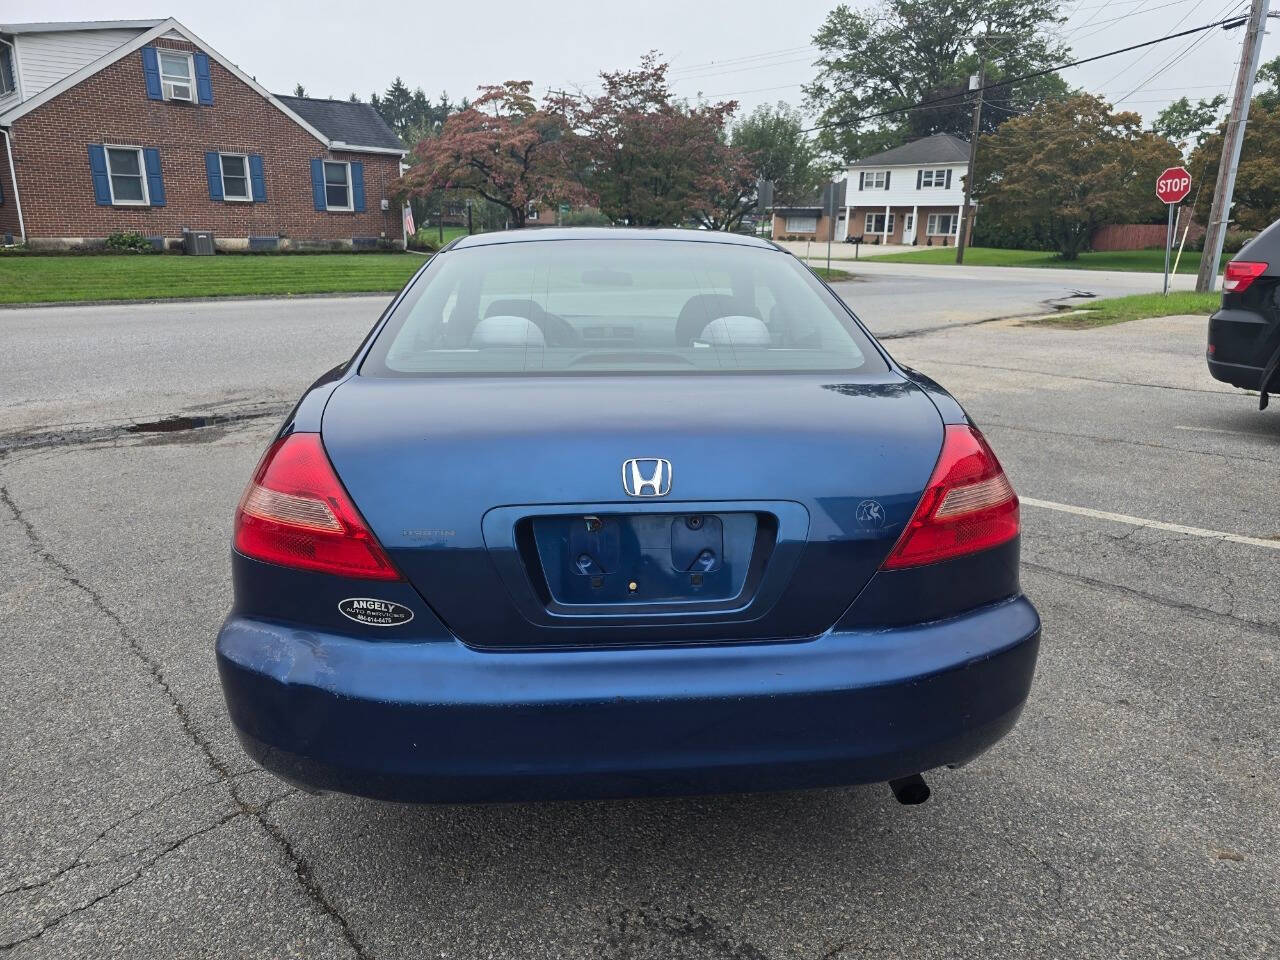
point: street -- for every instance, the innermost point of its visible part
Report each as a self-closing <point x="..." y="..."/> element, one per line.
<point x="1133" y="812"/>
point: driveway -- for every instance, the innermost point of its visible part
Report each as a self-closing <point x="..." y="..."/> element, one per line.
<point x="1133" y="812"/>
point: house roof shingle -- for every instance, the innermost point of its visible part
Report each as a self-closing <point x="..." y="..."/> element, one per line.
<point x="352" y="124"/>
<point x="939" y="148"/>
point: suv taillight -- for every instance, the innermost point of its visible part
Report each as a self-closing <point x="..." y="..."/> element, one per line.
<point x="968" y="505"/>
<point x="1240" y="274"/>
<point x="296" y="513"/>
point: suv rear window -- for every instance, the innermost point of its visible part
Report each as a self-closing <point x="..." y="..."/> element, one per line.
<point x="625" y="305"/>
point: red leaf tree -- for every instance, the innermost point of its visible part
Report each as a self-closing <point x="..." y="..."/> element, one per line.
<point x="504" y="148"/>
<point x="652" y="160"/>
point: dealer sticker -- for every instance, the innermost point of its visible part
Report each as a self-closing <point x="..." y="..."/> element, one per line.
<point x="375" y="613"/>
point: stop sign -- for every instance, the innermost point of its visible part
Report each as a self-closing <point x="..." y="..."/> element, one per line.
<point x="1173" y="185"/>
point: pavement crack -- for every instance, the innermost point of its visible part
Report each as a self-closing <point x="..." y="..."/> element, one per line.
<point x="297" y="864"/>
<point x="128" y="881"/>
<point x="80" y="434"/>
<point x="1191" y="609"/>
<point x="78" y="859"/>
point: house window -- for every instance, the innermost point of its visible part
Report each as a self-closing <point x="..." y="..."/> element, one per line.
<point x="235" y="176"/>
<point x="941" y="224"/>
<point x="125" y="174"/>
<point x="876" y="223"/>
<point x="802" y="224"/>
<point x="6" y="70"/>
<point x="337" y="185"/>
<point x="532" y="213"/>
<point x="933" y="178"/>
<point x="875" y="180"/>
<point x="176" y="73"/>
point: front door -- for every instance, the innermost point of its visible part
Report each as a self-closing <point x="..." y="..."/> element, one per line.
<point x="908" y="228"/>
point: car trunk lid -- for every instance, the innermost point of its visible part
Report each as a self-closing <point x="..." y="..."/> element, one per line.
<point x="502" y="500"/>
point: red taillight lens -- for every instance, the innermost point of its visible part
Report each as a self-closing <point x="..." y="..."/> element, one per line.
<point x="967" y="506"/>
<point x="296" y="513"/>
<point x="1240" y="274"/>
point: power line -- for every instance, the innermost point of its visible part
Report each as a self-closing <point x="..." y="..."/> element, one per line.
<point x="1026" y="76"/>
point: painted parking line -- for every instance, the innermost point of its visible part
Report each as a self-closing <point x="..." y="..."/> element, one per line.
<point x="1234" y="433"/>
<point x="1153" y="524"/>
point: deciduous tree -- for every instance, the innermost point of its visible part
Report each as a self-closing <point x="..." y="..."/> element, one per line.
<point x="906" y="52"/>
<point x="653" y="160"/>
<point x="504" y="148"/>
<point x="1256" y="200"/>
<point x="1066" y="168"/>
<point x="1189" y="124"/>
<point x="778" y="149"/>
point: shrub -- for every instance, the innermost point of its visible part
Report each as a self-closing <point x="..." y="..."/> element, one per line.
<point x="129" y="242"/>
<point x="586" y="217"/>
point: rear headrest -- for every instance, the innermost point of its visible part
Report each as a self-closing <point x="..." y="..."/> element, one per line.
<point x="737" y="331"/>
<point x="503" y="331"/>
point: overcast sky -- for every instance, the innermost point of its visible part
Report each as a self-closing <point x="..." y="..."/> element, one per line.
<point x="747" y="50"/>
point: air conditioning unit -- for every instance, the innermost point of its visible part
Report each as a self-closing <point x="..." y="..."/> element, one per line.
<point x="197" y="243"/>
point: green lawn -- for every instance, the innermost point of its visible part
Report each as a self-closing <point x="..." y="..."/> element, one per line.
<point x="1101" y="313"/>
<point x="432" y="234"/>
<point x="831" y="275"/>
<point x="1136" y="260"/>
<point x="35" y="279"/>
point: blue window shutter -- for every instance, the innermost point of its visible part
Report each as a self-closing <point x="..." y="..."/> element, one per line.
<point x="357" y="186"/>
<point x="98" y="168"/>
<point x="213" y="170"/>
<point x="155" y="182"/>
<point x="317" y="184"/>
<point x="204" y="85"/>
<point x="151" y="72"/>
<point x="257" y="178"/>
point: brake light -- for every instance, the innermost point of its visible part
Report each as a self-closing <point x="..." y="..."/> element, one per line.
<point x="296" y="513"/>
<point x="968" y="505"/>
<point x="1240" y="274"/>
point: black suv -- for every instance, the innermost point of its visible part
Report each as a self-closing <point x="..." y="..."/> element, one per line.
<point x="1244" y="335"/>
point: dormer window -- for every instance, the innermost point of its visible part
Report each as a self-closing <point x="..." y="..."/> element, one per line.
<point x="177" y="76"/>
<point x="7" y="84"/>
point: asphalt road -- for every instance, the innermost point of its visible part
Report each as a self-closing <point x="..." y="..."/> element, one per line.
<point x="1134" y="811"/>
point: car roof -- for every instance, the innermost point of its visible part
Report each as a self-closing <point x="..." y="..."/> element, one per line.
<point x="539" y="234"/>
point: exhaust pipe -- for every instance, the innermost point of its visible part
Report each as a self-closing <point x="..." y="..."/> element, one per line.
<point x="910" y="791"/>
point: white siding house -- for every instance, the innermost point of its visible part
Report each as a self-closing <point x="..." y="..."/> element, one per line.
<point x="44" y="53"/>
<point x="912" y="194"/>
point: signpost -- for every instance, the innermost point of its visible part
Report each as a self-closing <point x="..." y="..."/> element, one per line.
<point x="1172" y="187"/>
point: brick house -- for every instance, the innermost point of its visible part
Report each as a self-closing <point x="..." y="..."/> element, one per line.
<point x="912" y="194"/>
<point x="803" y="223"/>
<point x="138" y="125"/>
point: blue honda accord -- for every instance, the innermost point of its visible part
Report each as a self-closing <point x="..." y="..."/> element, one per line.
<point x="617" y="513"/>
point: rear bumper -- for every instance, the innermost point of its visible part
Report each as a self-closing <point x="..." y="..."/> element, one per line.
<point x="1240" y="344"/>
<point x="441" y="722"/>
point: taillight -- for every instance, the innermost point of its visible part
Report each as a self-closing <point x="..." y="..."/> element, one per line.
<point x="968" y="505"/>
<point x="296" y="513"/>
<point x="1240" y="274"/>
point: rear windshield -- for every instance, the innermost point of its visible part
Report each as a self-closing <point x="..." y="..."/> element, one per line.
<point x="626" y="305"/>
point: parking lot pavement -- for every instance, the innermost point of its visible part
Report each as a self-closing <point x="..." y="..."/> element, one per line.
<point x="1133" y="812"/>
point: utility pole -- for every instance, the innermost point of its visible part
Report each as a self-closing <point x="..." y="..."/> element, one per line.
<point x="1220" y="212"/>
<point x="966" y="214"/>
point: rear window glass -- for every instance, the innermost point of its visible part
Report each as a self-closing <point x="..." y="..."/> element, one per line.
<point x="626" y="305"/>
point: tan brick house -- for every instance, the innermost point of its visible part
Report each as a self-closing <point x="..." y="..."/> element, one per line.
<point x="138" y="125"/>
